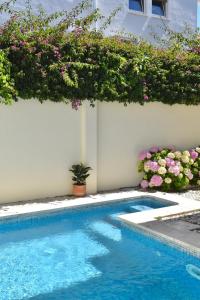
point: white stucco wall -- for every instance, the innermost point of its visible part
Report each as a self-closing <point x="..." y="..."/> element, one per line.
<point x="124" y="131"/>
<point x="40" y="142"/>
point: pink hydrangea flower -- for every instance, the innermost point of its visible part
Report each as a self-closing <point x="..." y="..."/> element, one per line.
<point x="149" y="155"/>
<point x="147" y="164"/>
<point x="171" y="147"/>
<point x="194" y="155"/>
<point x="170" y="162"/>
<point x="153" y="166"/>
<point x="190" y="175"/>
<point x="144" y="154"/>
<point x="146" y="97"/>
<point x="144" y="184"/>
<point x="156" y="181"/>
<point x="154" y="149"/>
<point x="174" y="170"/>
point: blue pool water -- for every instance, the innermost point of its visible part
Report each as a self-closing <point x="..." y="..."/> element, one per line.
<point x="88" y="254"/>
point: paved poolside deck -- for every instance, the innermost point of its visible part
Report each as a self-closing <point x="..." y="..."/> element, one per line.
<point x="178" y="230"/>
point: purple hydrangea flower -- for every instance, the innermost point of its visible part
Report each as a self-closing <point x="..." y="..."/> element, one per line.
<point x="153" y="166"/>
<point x="194" y="155"/>
<point x="174" y="170"/>
<point x="144" y="184"/>
<point x="154" y="149"/>
<point x="170" y="162"/>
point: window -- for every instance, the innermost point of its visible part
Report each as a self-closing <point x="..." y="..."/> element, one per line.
<point x="137" y="5"/>
<point x="159" y="7"/>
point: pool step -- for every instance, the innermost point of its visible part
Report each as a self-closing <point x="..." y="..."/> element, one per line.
<point x="116" y="215"/>
<point x="141" y="207"/>
<point x="107" y="230"/>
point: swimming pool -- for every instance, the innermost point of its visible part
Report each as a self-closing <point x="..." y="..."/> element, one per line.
<point x="88" y="254"/>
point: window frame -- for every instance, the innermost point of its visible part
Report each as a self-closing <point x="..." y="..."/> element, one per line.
<point x="164" y="7"/>
<point x="138" y="12"/>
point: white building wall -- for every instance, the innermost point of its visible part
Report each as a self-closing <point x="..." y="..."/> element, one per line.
<point x="180" y="12"/>
<point x="124" y="131"/>
<point x="40" y="142"/>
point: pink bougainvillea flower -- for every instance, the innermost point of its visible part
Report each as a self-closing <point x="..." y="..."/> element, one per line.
<point x="144" y="184"/>
<point x="156" y="181"/>
<point x="22" y="43"/>
<point x="154" y="149"/>
<point x="194" y="155"/>
<point x="76" y="104"/>
<point x="78" y="30"/>
<point x="14" y="48"/>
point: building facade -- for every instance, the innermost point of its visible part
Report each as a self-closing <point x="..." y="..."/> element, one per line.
<point x="139" y="17"/>
<point x="146" y="17"/>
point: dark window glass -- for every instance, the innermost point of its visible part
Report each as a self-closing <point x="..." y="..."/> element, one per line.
<point x="158" y="7"/>
<point x="136" y="5"/>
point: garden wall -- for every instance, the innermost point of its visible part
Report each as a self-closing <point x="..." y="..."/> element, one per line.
<point x="39" y="142"/>
<point x="124" y="131"/>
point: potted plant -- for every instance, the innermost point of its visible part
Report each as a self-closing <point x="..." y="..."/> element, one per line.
<point x="80" y="174"/>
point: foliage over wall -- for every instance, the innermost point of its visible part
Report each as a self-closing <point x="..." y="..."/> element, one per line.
<point x="7" y="91"/>
<point x="61" y="57"/>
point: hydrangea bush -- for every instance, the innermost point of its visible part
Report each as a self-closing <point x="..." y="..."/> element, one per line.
<point x="169" y="169"/>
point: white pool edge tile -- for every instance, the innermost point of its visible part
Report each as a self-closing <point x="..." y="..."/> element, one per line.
<point x="182" y="205"/>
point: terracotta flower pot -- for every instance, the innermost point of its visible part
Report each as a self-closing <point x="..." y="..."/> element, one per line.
<point x="79" y="190"/>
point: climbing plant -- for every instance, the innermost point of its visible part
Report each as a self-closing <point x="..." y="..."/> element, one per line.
<point x="62" y="57"/>
<point x="7" y="91"/>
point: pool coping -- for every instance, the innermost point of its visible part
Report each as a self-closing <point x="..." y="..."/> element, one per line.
<point x="182" y="205"/>
<point x="136" y="220"/>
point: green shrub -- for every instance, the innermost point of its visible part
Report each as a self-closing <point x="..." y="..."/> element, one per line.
<point x="49" y="62"/>
<point x="80" y="173"/>
<point x="7" y="91"/>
